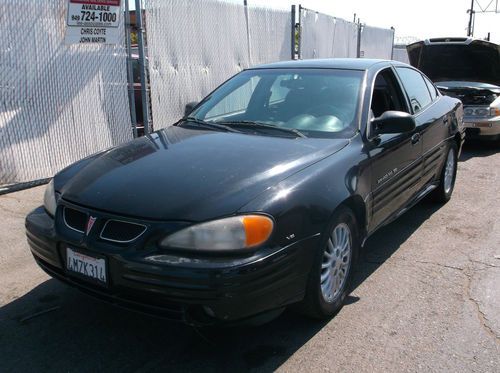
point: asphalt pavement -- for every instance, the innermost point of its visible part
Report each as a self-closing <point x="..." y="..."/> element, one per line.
<point x="426" y="298"/>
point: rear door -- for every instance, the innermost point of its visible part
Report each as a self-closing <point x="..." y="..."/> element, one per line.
<point x="434" y="134"/>
<point x="431" y="120"/>
<point x="395" y="158"/>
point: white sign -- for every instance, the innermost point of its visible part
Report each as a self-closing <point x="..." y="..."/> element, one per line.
<point x="93" y="21"/>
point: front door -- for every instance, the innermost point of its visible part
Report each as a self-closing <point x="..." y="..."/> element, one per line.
<point x="395" y="158"/>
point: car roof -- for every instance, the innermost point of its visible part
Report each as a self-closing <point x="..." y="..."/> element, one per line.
<point x="328" y="63"/>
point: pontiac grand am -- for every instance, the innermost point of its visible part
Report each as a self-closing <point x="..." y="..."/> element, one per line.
<point x="259" y="198"/>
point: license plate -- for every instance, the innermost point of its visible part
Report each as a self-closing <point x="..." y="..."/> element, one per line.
<point x="85" y="265"/>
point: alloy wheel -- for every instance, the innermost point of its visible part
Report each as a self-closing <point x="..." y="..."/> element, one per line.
<point x="336" y="262"/>
<point x="449" y="171"/>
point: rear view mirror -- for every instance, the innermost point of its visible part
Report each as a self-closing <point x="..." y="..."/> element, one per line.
<point x="189" y="108"/>
<point x="393" y="122"/>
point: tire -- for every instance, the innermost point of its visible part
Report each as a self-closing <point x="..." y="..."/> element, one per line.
<point x="318" y="302"/>
<point x="444" y="190"/>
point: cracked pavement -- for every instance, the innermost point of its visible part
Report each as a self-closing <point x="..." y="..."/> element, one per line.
<point x="426" y="298"/>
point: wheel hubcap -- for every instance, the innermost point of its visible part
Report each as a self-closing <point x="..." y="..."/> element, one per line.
<point x="449" y="171"/>
<point x="336" y="262"/>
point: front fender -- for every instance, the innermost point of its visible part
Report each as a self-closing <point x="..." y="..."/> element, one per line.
<point x="302" y="205"/>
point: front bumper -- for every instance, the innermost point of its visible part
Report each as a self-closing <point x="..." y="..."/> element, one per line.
<point x="482" y="128"/>
<point x="200" y="290"/>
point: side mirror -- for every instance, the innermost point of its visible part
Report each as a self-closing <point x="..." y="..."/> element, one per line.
<point x="393" y="122"/>
<point x="189" y="108"/>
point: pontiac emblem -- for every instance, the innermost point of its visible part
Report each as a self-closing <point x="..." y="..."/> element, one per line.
<point x="90" y="224"/>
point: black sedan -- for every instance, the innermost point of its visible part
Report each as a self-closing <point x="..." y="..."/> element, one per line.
<point x="260" y="198"/>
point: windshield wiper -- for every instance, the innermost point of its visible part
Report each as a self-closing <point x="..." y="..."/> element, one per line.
<point x="209" y="124"/>
<point x="251" y="124"/>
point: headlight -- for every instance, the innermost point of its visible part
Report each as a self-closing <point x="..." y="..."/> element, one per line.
<point x="238" y="232"/>
<point x="495" y="112"/>
<point x="49" y="198"/>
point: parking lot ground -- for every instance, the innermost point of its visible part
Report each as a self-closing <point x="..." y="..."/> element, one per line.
<point x="426" y="298"/>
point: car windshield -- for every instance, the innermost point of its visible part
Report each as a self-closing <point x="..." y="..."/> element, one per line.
<point x="308" y="102"/>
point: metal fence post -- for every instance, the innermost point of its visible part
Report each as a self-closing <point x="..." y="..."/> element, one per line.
<point x="293" y="32"/>
<point x="358" y="51"/>
<point x="393" y="36"/>
<point x="130" y="72"/>
<point x="299" y="30"/>
<point x="142" y="66"/>
<point x="249" y="41"/>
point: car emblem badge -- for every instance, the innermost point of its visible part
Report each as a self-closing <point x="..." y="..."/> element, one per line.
<point x="90" y="224"/>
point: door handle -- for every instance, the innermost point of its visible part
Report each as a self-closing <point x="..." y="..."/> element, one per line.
<point x="415" y="138"/>
<point x="445" y="121"/>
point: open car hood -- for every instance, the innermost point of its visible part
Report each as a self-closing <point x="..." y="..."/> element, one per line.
<point x="457" y="60"/>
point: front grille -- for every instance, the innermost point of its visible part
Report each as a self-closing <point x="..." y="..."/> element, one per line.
<point x="74" y="219"/>
<point x="122" y="231"/>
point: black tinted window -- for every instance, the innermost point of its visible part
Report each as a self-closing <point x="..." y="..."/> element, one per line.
<point x="387" y="94"/>
<point x="416" y="88"/>
<point x="432" y="88"/>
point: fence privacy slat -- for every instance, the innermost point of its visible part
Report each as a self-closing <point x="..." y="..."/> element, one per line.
<point x="376" y="42"/>
<point x="58" y="103"/>
<point x="324" y="36"/>
<point x="194" y="46"/>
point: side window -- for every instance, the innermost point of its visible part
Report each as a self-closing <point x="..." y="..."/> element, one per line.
<point x="416" y="88"/>
<point x="432" y="88"/>
<point x="387" y="94"/>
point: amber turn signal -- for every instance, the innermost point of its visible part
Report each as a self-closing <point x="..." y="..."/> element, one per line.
<point x="258" y="228"/>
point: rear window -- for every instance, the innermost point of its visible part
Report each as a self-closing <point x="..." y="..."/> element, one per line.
<point x="432" y="88"/>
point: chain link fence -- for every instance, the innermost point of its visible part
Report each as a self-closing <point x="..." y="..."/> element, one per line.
<point x="376" y="42"/>
<point x="400" y="54"/>
<point x="195" y="46"/>
<point x="58" y="103"/>
<point x="324" y="36"/>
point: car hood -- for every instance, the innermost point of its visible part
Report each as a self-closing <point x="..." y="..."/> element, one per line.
<point x="470" y="61"/>
<point x="189" y="174"/>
